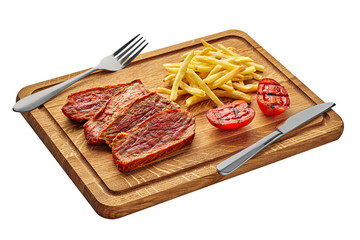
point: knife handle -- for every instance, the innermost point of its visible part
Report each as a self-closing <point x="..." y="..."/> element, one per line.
<point x="234" y="162"/>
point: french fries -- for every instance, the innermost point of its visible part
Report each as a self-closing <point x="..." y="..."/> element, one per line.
<point x="211" y="73"/>
<point x="204" y="87"/>
<point x="179" y="75"/>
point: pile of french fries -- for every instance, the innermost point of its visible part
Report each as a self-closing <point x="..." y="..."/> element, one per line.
<point x="212" y="73"/>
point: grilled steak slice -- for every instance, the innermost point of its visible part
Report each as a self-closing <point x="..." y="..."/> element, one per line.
<point x="161" y="134"/>
<point x="134" y="113"/>
<point x="83" y="105"/>
<point x="125" y="96"/>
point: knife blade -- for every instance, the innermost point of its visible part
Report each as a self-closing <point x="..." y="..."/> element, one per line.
<point x="234" y="162"/>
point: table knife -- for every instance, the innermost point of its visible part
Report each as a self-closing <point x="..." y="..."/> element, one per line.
<point x="234" y="162"/>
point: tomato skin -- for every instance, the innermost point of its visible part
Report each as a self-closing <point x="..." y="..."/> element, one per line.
<point x="231" y="116"/>
<point x="272" y="98"/>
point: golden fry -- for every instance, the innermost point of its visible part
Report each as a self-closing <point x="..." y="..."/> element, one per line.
<point x="244" y="60"/>
<point x="206" y="44"/>
<point x="169" y="78"/>
<point x="234" y="94"/>
<point x="204" y="87"/>
<point x="256" y="76"/>
<point x="227" y="51"/>
<point x="258" y="67"/>
<point x="168" y="91"/>
<point x="194" y="91"/>
<point x="219" y="55"/>
<point x="180" y="74"/>
<point x="201" y="68"/>
<point x="227" y="76"/>
<point x="245" y="87"/>
<point x="194" y="99"/>
<point x="248" y="70"/>
<point x="221" y="93"/>
<point x="216" y="69"/>
<point x="214" y="77"/>
<point x="226" y="87"/>
<point x="214" y="61"/>
<point x="205" y="51"/>
<point x="196" y="52"/>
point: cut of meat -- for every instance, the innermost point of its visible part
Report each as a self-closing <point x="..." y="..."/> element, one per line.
<point x="140" y="126"/>
<point x="83" y="105"/>
<point x="134" y="113"/>
<point x="161" y="134"/>
<point x="125" y="96"/>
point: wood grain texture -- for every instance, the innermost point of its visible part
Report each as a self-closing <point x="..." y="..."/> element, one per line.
<point x="113" y="194"/>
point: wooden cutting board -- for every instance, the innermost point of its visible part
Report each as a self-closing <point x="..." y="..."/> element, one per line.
<point x="113" y="194"/>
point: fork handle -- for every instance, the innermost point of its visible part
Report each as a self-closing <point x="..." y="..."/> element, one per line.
<point x="36" y="99"/>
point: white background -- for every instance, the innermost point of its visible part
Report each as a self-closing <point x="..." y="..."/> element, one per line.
<point x="313" y="195"/>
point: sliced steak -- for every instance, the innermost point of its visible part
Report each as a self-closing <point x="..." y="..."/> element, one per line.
<point x="83" y="105"/>
<point x="125" y="96"/>
<point x="134" y="113"/>
<point x="161" y="134"/>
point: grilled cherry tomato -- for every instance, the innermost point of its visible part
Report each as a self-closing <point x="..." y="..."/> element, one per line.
<point x="272" y="98"/>
<point x="231" y="116"/>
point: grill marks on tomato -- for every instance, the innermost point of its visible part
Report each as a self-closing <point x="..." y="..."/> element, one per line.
<point x="274" y="101"/>
<point x="236" y="113"/>
<point x="274" y="94"/>
<point x="228" y="114"/>
<point x="272" y="98"/>
<point x="231" y="116"/>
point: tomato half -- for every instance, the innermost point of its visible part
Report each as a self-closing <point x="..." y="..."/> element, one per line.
<point x="272" y="98"/>
<point x="231" y="116"/>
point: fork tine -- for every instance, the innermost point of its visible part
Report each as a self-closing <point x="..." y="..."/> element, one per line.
<point x="131" y="52"/>
<point x="127" y="50"/>
<point x="137" y="53"/>
<point x="123" y="47"/>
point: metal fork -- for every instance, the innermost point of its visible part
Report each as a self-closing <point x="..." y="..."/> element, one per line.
<point x="114" y="62"/>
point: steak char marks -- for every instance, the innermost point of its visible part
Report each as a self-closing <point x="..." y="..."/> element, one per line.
<point x="93" y="127"/>
<point x="134" y="113"/>
<point x="161" y="134"/>
<point x="139" y="126"/>
<point x="83" y="105"/>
